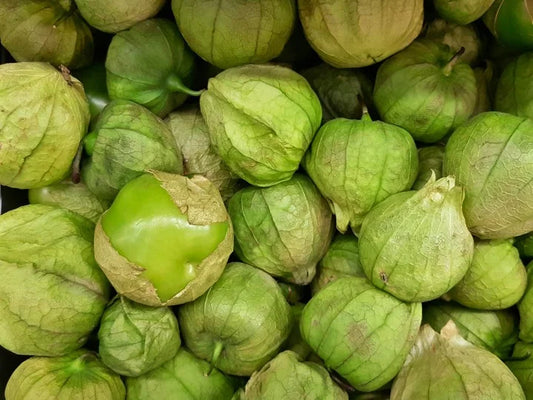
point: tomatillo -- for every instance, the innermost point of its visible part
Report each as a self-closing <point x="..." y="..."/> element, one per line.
<point x="165" y="239"/>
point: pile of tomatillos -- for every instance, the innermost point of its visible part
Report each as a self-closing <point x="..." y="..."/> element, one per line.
<point x="267" y="199"/>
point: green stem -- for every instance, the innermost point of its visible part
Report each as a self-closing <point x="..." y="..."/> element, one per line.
<point x="175" y="84"/>
<point x="365" y="116"/>
<point x="454" y="60"/>
<point x="219" y="346"/>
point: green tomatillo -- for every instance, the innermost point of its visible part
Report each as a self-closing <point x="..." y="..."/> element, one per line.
<point x="284" y="229"/>
<point x="462" y="12"/>
<point x="44" y="114"/>
<point x="183" y="377"/>
<point x="426" y="89"/>
<point x="496" y="331"/>
<point x="46" y="30"/>
<point x="79" y="375"/>
<point x="229" y="33"/>
<point x="72" y="196"/>
<point x="511" y="23"/>
<point x="361" y="332"/>
<point x="491" y="157"/>
<point x="358" y="163"/>
<point x="126" y="140"/>
<point x="151" y="65"/>
<point x="356" y="33"/>
<point x="165" y="239"/>
<point x="514" y="93"/>
<point x="240" y="323"/>
<point x="261" y="119"/>
<point x="117" y="15"/>
<point x="52" y="293"/>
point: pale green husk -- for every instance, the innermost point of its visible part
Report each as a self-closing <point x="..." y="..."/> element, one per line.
<point x="192" y="137"/>
<point x="429" y="163"/>
<point x="252" y="108"/>
<point x="462" y="12"/>
<point x="134" y="338"/>
<point x="201" y="202"/>
<point x="341" y="259"/>
<point x="496" y="278"/>
<point x="184" y="377"/>
<point x="151" y="65"/>
<point x="75" y="197"/>
<point x="491" y="157"/>
<point x="52" y="293"/>
<point x="235" y="32"/>
<point x="46" y="30"/>
<point x="43" y="117"/>
<point x="358" y="163"/>
<point x="361" y="332"/>
<point x="525" y="308"/>
<point x="456" y="36"/>
<point x="348" y="33"/>
<point x="284" y="229"/>
<point x="79" y="375"/>
<point x="514" y="93"/>
<point x="496" y="331"/>
<point x="117" y="15"/>
<point x="445" y="366"/>
<point x="411" y="238"/>
<point x="419" y="90"/>
<point x="130" y="139"/>
<point x="521" y="365"/>
<point x="286" y="377"/>
<point x="244" y="314"/>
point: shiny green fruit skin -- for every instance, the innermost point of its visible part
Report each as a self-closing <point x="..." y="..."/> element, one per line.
<point x="93" y="78"/>
<point x="235" y="32"/>
<point x="144" y="225"/>
<point x="424" y="92"/>
<point x="361" y="332"/>
<point x="491" y="157"/>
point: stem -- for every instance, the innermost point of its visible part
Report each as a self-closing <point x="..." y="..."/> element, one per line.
<point x="75" y="175"/>
<point x="219" y="346"/>
<point x="454" y="60"/>
<point x="365" y="116"/>
<point x="175" y="84"/>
